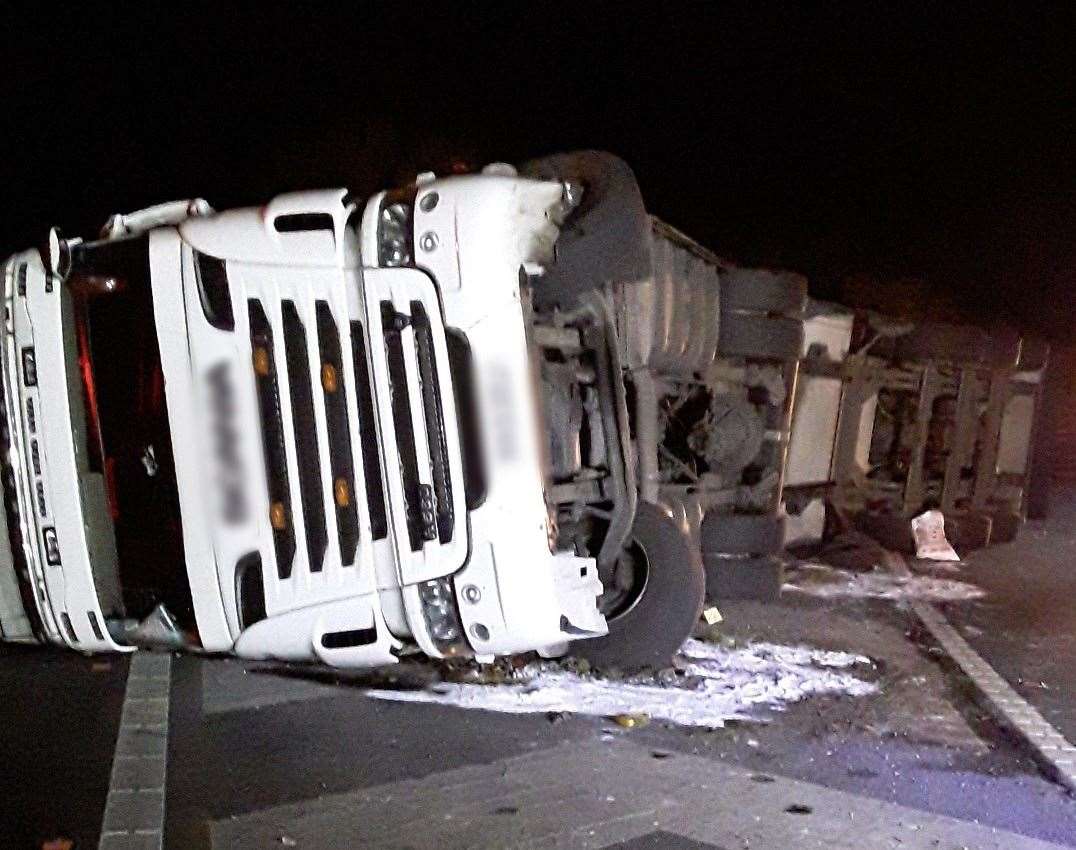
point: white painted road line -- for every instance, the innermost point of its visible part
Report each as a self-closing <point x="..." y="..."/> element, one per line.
<point x="1049" y="747"/>
<point x="134" y="809"/>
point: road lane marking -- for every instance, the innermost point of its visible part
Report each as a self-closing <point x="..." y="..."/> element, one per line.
<point x="134" y="808"/>
<point x="1048" y="746"/>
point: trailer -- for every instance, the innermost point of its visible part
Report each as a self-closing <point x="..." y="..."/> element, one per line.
<point x="893" y="419"/>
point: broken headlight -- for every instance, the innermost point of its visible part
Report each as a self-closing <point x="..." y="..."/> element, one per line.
<point x="395" y="243"/>
<point x="441" y="612"/>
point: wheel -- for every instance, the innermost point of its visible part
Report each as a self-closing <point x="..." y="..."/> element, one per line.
<point x="762" y="337"/>
<point x="762" y="291"/>
<point x="742" y="534"/>
<point x="743" y="578"/>
<point x="955" y="343"/>
<point x="1003" y="348"/>
<point x="1044" y="441"/>
<point x="969" y="531"/>
<point x="1033" y="355"/>
<point x="651" y="614"/>
<point x="605" y="238"/>
<point x="893" y="531"/>
<point x="1005" y="527"/>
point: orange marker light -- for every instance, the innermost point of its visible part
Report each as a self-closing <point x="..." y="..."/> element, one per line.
<point x="278" y="517"/>
<point x="342" y="493"/>
<point x="328" y="377"/>
<point x="261" y="361"/>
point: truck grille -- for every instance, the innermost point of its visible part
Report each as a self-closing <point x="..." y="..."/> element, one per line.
<point x="329" y="498"/>
<point x="272" y="422"/>
<point x="421" y="521"/>
<point x="297" y="357"/>
<point x="314" y="439"/>
<point x="433" y="411"/>
<point x="371" y="452"/>
<point x="343" y="471"/>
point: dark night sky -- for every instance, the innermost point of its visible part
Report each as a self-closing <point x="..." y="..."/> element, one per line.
<point x="845" y="143"/>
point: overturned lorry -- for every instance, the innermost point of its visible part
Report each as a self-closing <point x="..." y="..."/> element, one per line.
<point x="472" y="416"/>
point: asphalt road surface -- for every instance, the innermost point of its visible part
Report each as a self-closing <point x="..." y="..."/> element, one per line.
<point x="1026" y="627"/>
<point x="259" y="756"/>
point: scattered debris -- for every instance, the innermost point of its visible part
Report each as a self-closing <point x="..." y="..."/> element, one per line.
<point x="799" y="809"/>
<point x="713" y="684"/>
<point x="825" y="581"/>
<point x="712" y="616"/>
<point x="631" y="721"/>
<point x="928" y="529"/>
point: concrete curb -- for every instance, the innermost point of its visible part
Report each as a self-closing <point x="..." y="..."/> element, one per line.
<point x="1047" y="746"/>
<point x="134" y="808"/>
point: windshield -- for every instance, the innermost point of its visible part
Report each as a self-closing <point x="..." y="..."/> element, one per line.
<point x="127" y="433"/>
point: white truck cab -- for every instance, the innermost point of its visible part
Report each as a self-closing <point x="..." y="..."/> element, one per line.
<point x="306" y="431"/>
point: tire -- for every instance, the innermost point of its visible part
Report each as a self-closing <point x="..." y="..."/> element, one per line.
<point x="651" y="630"/>
<point x="1033" y="355"/>
<point x="605" y="239"/>
<point x="893" y="531"/>
<point x="1040" y="476"/>
<point x="743" y="578"/>
<point x="954" y="343"/>
<point x="762" y="337"/>
<point x="763" y="291"/>
<point x="969" y="531"/>
<point x="742" y="534"/>
<point x="1003" y="348"/>
<point x="1005" y="527"/>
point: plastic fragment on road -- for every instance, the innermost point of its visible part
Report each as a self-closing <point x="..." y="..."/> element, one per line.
<point x="712" y="616"/>
<point x="928" y="529"/>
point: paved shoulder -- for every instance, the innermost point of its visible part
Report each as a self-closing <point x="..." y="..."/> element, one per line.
<point x="602" y="795"/>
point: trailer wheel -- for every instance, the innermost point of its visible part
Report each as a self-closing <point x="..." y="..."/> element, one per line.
<point x="651" y="621"/>
<point x="743" y="578"/>
<point x="954" y="343"/>
<point x="763" y="291"/>
<point x="1005" y="527"/>
<point x="1033" y="355"/>
<point x="742" y="534"/>
<point x="762" y="337"/>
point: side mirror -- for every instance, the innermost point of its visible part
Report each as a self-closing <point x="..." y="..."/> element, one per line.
<point x="57" y="253"/>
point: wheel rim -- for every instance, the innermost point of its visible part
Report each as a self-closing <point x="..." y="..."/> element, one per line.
<point x="626" y="585"/>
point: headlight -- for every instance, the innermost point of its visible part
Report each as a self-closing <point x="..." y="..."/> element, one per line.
<point x="394" y="238"/>
<point x="442" y="616"/>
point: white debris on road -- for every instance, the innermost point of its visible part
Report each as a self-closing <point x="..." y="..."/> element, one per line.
<point x="825" y="581"/>
<point x="720" y="684"/>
